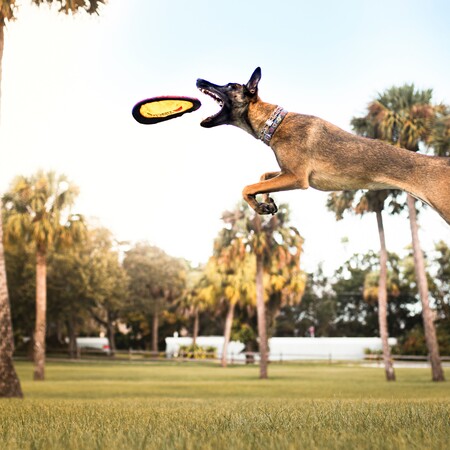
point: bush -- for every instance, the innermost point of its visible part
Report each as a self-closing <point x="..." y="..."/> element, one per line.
<point x="413" y="342"/>
<point x="369" y="351"/>
<point x="197" y="352"/>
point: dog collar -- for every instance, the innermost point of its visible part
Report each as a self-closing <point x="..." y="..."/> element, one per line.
<point x="272" y="123"/>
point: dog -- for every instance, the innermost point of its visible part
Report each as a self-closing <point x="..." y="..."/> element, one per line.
<point x="313" y="152"/>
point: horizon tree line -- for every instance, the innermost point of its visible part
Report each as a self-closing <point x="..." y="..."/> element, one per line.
<point x="90" y="282"/>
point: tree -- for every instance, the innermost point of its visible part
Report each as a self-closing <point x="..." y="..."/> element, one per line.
<point x="266" y="241"/>
<point x="21" y="276"/>
<point x="197" y="298"/>
<point x="7" y="13"/>
<point x="231" y="270"/>
<point x="438" y="272"/>
<point x="156" y="281"/>
<point x="439" y="138"/>
<point x="346" y="303"/>
<point x="370" y="201"/>
<point x="406" y="118"/>
<point x="317" y="310"/>
<point x="286" y="282"/>
<point x="276" y="247"/>
<point x="355" y="289"/>
<point x="67" y="308"/>
<point x="38" y="211"/>
<point x="107" y="282"/>
<point x="9" y="381"/>
<point x="440" y="284"/>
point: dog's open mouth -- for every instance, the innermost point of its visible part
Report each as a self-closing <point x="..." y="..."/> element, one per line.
<point x="209" y="90"/>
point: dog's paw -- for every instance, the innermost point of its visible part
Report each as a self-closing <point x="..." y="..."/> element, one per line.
<point x="267" y="208"/>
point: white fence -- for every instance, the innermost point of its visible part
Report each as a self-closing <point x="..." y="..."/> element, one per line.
<point x="287" y="348"/>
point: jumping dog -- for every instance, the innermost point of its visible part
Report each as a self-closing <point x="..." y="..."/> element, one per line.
<point x="316" y="153"/>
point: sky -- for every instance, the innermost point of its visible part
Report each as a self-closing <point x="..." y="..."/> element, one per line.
<point x="70" y="82"/>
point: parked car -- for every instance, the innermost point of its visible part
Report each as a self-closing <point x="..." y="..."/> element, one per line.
<point x="93" y="343"/>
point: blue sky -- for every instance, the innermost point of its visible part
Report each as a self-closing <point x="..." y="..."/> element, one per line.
<point x="69" y="84"/>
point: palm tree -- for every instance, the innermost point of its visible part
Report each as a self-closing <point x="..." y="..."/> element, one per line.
<point x="9" y="382"/>
<point x="197" y="298"/>
<point x="37" y="211"/>
<point x="272" y="240"/>
<point x="439" y="139"/>
<point x="406" y="118"/>
<point x="286" y="281"/>
<point x="7" y="13"/>
<point x="273" y="277"/>
<point x="230" y="270"/>
<point x="260" y="248"/>
<point x="371" y="201"/>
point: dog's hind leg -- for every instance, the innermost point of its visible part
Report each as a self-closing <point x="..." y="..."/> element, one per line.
<point x="270" y="182"/>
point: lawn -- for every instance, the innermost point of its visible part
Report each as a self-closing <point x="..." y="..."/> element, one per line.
<point x="202" y="406"/>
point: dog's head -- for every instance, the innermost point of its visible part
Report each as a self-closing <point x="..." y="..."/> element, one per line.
<point x="233" y="99"/>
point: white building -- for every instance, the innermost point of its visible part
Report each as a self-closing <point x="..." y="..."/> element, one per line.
<point x="288" y="348"/>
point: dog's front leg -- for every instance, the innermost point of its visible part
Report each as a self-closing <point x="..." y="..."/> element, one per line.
<point x="270" y="182"/>
<point x="264" y="177"/>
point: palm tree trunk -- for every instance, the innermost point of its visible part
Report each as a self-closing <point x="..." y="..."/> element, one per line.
<point x="155" y="326"/>
<point x="422" y="284"/>
<point x="9" y="382"/>
<point x="41" y="310"/>
<point x="261" y="316"/>
<point x="73" y="351"/>
<point x="196" y="328"/>
<point x="227" y="333"/>
<point x="110" y="331"/>
<point x="382" y="302"/>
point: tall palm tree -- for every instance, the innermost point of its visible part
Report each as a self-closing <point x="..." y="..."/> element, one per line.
<point x="38" y="211"/>
<point x="272" y="276"/>
<point x="371" y="201"/>
<point x="9" y="381"/>
<point x="7" y="13"/>
<point x="439" y="139"/>
<point x="231" y="270"/>
<point x="197" y="298"/>
<point x="406" y="118"/>
<point x="272" y="241"/>
<point x="286" y="281"/>
<point x="260" y="248"/>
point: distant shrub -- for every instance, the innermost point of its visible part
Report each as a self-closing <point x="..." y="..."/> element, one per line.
<point x="413" y="342"/>
<point x="197" y="352"/>
<point x="369" y="351"/>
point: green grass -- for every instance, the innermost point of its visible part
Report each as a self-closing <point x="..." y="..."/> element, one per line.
<point x="189" y="406"/>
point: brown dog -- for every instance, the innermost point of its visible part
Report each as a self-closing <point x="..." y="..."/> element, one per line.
<point x="313" y="152"/>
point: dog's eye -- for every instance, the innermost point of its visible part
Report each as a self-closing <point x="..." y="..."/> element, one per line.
<point x="233" y="85"/>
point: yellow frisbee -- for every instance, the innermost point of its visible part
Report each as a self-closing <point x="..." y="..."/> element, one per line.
<point x="158" y="109"/>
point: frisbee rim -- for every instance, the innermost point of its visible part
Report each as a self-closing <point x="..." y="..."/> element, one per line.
<point x="151" y="120"/>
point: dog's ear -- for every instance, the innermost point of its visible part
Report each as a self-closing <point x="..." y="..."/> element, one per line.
<point x="252" y="85"/>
